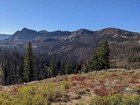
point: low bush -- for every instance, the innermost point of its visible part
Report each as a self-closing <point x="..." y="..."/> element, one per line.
<point x="115" y="100"/>
<point x="36" y="94"/>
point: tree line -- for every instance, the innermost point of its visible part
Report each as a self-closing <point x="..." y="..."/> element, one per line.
<point x="19" y="68"/>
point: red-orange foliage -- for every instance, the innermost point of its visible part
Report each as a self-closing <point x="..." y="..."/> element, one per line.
<point x="101" y="91"/>
<point x="102" y="82"/>
<point x="118" y="89"/>
<point x="66" y="79"/>
<point x="74" y="84"/>
<point x="114" y="74"/>
<point x="132" y="80"/>
<point x="77" y="78"/>
<point x="135" y="76"/>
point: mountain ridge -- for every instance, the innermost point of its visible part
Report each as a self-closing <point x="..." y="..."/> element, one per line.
<point x="31" y="34"/>
<point x="79" y="44"/>
<point x="82" y="36"/>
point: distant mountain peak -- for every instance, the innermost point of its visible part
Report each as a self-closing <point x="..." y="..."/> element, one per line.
<point x="81" y="34"/>
<point x="43" y="31"/>
<point x="26" y="29"/>
<point x="110" y="30"/>
<point x="116" y="33"/>
<point x="25" y="34"/>
<point x="78" y="33"/>
<point x="82" y="31"/>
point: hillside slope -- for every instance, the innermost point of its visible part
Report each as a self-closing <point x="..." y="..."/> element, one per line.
<point x="110" y="87"/>
<point x="80" y="45"/>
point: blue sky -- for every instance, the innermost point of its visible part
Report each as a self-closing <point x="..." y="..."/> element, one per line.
<point x="69" y="14"/>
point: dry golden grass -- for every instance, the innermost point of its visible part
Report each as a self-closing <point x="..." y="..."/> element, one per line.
<point x="109" y="87"/>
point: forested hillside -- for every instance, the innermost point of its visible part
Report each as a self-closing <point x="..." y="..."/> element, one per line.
<point x="65" y="52"/>
<point x="79" y="45"/>
<point x="19" y="68"/>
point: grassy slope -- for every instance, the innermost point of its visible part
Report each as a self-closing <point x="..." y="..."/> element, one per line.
<point x="111" y="87"/>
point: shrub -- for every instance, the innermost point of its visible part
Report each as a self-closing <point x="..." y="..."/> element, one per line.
<point x="115" y="100"/>
<point x="36" y="94"/>
<point x="40" y="100"/>
<point x="66" y="85"/>
<point x="101" y="91"/>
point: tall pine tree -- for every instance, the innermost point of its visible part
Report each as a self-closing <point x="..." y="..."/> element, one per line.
<point x="28" y="74"/>
<point x="101" y="58"/>
<point x="52" y="68"/>
<point x="68" y="68"/>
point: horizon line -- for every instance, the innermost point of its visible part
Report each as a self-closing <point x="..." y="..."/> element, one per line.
<point x="65" y="30"/>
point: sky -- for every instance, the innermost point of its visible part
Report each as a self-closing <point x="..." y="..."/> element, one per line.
<point x="69" y="15"/>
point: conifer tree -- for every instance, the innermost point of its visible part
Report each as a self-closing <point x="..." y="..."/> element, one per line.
<point x="104" y="53"/>
<point x="28" y="64"/>
<point x="85" y="68"/>
<point x="95" y="63"/>
<point x="1" y="76"/>
<point x="52" y="69"/>
<point x="101" y="58"/>
<point x="68" y="68"/>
